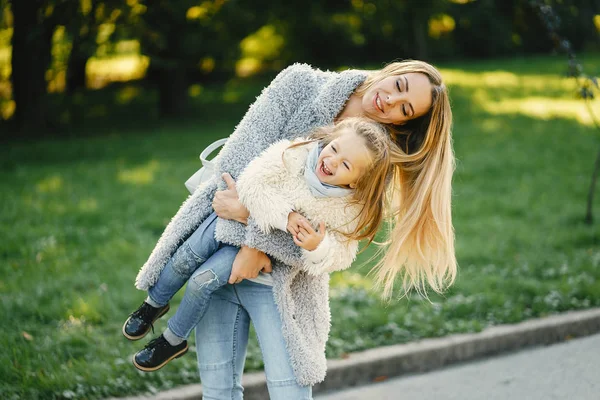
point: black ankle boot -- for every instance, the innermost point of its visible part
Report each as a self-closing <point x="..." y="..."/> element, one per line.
<point x="140" y="321"/>
<point x="157" y="354"/>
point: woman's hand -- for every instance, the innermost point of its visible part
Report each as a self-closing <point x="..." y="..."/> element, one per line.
<point x="307" y="237"/>
<point x="248" y="263"/>
<point x="226" y="203"/>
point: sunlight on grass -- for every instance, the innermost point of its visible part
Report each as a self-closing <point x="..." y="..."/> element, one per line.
<point x="84" y="311"/>
<point x="73" y="323"/>
<point x="346" y="279"/>
<point x="539" y="96"/>
<point x="543" y="108"/>
<point x="88" y="205"/>
<point x="38" y="205"/>
<point x="142" y="175"/>
<point x="505" y="79"/>
<point x="51" y="184"/>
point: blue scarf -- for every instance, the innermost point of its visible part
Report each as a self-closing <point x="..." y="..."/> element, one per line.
<point x="318" y="188"/>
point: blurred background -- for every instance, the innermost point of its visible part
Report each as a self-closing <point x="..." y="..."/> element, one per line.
<point x="105" y="106"/>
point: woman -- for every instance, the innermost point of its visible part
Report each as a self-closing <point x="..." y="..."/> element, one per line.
<point x="291" y="317"/>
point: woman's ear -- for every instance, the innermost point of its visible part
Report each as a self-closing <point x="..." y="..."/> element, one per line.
<point x="352" y="185"/>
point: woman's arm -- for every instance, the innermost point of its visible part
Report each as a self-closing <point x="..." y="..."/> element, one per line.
<point x="248" y="263"/>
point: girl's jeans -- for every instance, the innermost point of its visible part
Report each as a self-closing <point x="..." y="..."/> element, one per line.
<point x="205" y="264"/>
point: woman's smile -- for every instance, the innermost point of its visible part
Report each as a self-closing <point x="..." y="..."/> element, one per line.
<point x="378" y="103"/>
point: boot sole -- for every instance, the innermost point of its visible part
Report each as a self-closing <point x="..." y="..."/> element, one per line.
<point x="133" y="338"/>
<point x="151" y="369"/>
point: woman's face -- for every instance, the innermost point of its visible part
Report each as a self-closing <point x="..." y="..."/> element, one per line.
<point x="398" y="98"/>
<point x="343" y="160"/>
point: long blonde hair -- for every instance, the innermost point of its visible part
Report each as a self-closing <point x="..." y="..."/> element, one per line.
<point x="370" y="190"/>
<point x="420" y="245"/>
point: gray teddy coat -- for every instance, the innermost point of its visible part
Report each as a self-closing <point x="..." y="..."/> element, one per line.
<point x="298" y="100"/>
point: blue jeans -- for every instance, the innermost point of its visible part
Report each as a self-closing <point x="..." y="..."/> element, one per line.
<point x="222" y="338"/>
<point x="205" y="264"/>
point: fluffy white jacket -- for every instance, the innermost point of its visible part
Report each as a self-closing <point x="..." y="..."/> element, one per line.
<point x="273" y="185"/>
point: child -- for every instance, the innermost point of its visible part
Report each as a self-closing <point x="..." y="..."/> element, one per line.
<point x="336" y="178"/>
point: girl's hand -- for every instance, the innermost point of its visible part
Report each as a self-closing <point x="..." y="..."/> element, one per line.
<point x="307" y="237"/>
<point x="227" y="205"/>
<point x="293" y="225"/>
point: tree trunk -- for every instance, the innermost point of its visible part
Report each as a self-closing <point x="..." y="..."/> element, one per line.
<point x="31" y="55"/>
<point x="83" y="34"/>
<point x="420" y="34"/>
<point x="76" y="66"/>
<point x="172" y="89"/>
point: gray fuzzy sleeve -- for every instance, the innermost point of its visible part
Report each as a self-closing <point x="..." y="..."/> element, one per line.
<point x="277" y="244"/>
<point x="263" y="124"/>
<point x="191" y="213"/>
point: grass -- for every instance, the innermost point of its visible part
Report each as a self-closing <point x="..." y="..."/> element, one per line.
<point x="80" y="215"/>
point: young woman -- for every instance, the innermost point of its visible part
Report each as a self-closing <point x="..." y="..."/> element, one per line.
<point x="289" y="308"/>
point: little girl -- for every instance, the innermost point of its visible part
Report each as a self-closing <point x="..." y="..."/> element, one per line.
<point x="336" y="179"/>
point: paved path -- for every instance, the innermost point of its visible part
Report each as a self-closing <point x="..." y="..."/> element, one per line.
<point x="569" y="370"/>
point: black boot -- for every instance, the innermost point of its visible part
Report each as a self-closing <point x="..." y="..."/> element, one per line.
<point x="157" y="354"/>
<point x="140" y="321"/>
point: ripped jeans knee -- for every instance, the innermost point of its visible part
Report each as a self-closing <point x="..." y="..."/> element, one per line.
<point x="206" y="279"/>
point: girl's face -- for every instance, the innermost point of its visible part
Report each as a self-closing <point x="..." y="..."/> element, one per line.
<point x="398" y="98"/>
<point x="343" y="160"/>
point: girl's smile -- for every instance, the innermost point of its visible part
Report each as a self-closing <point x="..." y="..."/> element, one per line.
<point x="344" y="160"/>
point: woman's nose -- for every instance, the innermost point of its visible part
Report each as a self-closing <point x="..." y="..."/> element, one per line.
<point x="392" y="99"/>
<point x="397" y="98"/>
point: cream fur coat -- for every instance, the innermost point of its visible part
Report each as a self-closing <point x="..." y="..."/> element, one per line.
<point x="273" y="185"/>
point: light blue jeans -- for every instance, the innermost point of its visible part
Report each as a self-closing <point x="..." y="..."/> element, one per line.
<point x="222" y="338"/>
<point x="205" y="264"/>
<point x="225" y="311"/>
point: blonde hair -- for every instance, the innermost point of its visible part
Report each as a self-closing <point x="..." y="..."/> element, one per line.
<point x="370" y="189"/>
<point x="420" y="248"/>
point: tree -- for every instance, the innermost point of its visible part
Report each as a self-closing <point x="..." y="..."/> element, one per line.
<point x="179" y="35"/>
<point x="31" y="55"/>
<point x="82" y="23"/>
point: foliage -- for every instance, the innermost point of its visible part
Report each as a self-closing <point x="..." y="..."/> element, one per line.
<point x="186" y="42"/>
<point x="80" y="215"/>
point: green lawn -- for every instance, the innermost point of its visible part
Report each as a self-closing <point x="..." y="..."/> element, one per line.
<point x="79" y="216"/>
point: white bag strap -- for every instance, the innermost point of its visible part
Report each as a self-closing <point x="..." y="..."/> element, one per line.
<point x="209" y="149"/>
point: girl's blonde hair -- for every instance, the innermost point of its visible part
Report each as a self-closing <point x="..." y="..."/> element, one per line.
<point x="420" y="245"/>
<point x="370" y="190"/>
